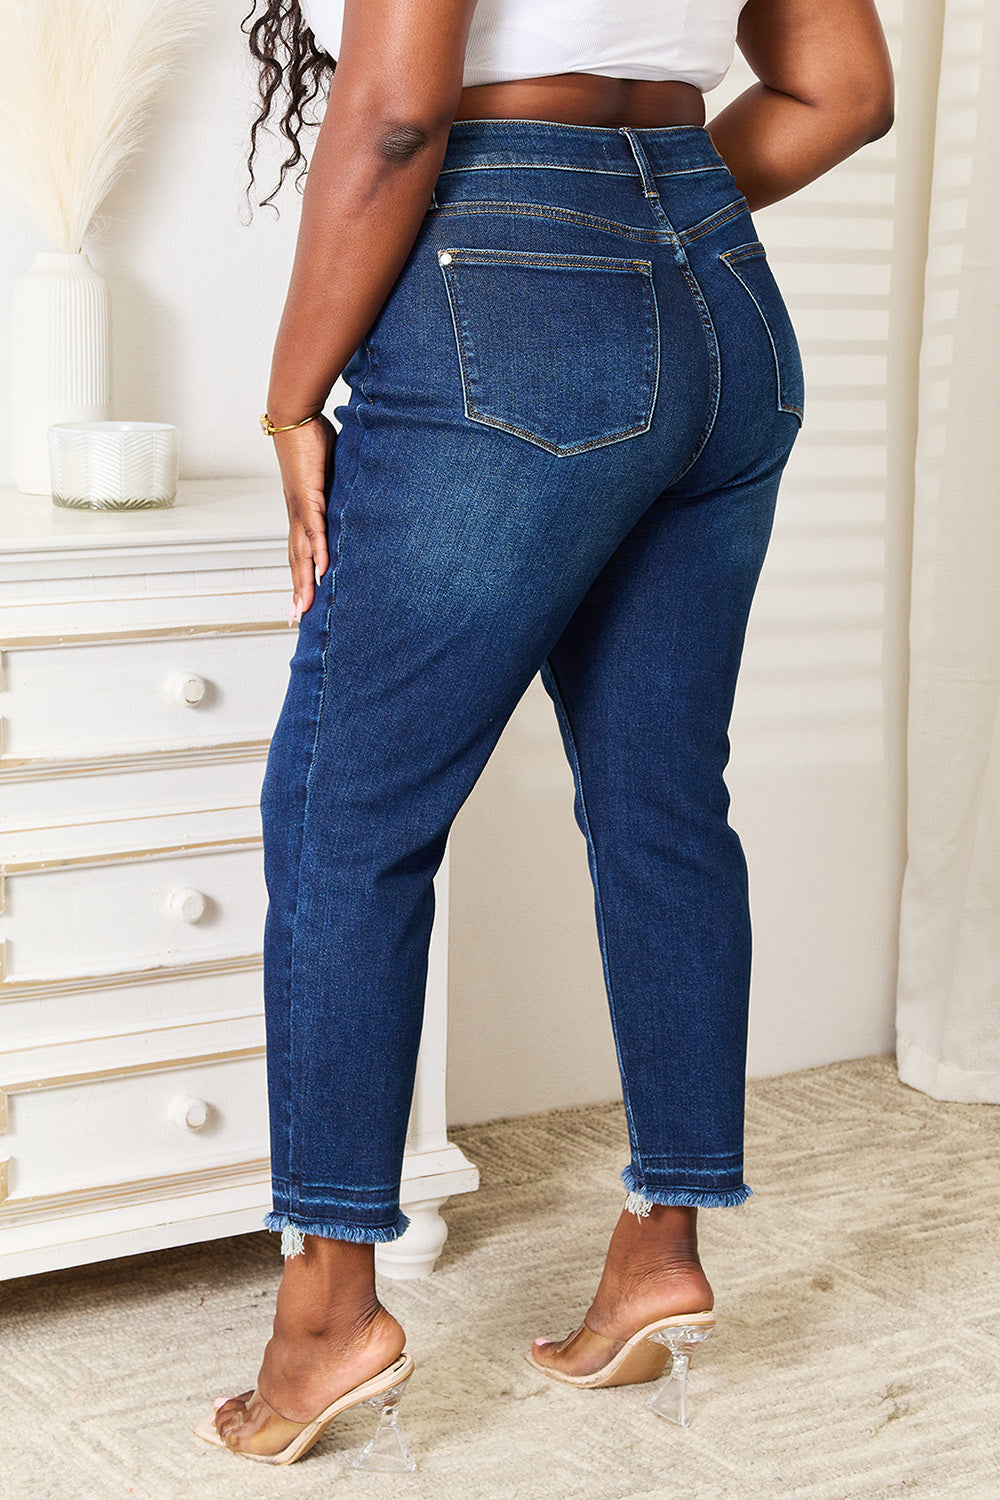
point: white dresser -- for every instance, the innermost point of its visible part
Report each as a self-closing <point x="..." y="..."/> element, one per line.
<point x="144" y="661"/>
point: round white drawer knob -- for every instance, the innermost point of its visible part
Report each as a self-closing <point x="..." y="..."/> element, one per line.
<point x="186" y="688"/>
<point x="188" y="1112"/>
<point x="186" y="904"/>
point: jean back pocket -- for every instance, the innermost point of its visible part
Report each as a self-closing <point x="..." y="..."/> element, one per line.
<point x="561" y="350"/>
<point x="749" y="265"/>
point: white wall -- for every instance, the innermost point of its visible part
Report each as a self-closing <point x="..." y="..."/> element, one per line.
<point x="196" y="293"/>
<point x="817" y="734"/>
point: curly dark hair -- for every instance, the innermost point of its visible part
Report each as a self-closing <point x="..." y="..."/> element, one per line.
<point x="290" y="64"/>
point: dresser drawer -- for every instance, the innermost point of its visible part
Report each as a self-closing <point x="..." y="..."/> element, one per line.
<point x="74" y="918"/>
<point x="71" y="1140"/>
<point x="65" y="699"/>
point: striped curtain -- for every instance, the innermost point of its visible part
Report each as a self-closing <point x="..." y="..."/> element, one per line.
<point x="948" y="995"/>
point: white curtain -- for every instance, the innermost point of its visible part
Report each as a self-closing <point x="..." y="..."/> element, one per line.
<point x="948" y="1000"/>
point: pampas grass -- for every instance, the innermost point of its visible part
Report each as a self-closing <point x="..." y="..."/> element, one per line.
<point x="76" y="83"/>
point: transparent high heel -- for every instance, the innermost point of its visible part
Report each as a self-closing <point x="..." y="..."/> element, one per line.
<point x="670" y="1399"/>
<point x="642" y="1358"/>
<point x="386" y="1450"/>
<point x="289" y="1440"/>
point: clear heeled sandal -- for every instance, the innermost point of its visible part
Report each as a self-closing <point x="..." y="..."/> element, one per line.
<point x="386" y="1451"/>
<point x="643" y="1358"/>
<point x="670" y="1399"/>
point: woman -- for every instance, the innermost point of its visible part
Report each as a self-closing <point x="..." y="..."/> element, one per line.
<point x="574" y="389"/>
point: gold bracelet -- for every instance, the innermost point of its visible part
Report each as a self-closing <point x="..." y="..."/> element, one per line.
<point x="268" y="427"/>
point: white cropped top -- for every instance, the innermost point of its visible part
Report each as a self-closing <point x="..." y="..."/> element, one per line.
<point x="689" y="40"/>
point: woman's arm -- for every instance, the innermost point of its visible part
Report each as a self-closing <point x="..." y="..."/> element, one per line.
<point x="379" y="150"/>
<point x="825" y="89"/>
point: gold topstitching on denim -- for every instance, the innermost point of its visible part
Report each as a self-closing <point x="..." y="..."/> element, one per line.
<point x="754" y="250"/>
<point x="549" y="211"/>
<point x="542" y="260"/>
<point x="714" y="221"/>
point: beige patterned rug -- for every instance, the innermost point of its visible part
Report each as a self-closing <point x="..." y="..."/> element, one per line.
<point x="857" y="1354"/>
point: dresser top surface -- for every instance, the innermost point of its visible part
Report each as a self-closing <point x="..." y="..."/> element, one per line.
<point x="206" y="510"/>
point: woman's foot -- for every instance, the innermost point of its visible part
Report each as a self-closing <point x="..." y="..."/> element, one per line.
<point x="331" y="1333"/>
<point x="652" y="1271"/>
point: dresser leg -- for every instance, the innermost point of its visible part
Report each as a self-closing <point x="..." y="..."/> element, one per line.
<point x="414" y="1253"/>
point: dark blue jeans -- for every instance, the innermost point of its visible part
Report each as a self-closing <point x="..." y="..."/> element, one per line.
<point x="561" y="453"/>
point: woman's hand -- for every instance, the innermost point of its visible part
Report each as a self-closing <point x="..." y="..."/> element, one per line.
<point x="305" y="457"/>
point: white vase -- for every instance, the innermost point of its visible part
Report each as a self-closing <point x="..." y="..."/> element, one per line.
<point x="60" y="359"/>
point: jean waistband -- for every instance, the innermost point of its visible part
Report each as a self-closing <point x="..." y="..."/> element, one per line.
<point x="605" y="148"/>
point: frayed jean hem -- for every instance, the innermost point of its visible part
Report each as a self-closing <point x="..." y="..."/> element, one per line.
<point x="292" y="1234"/>
<point x="641" y="1199"/>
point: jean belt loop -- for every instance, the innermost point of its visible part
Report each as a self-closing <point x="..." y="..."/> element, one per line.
<point x="641" y="161"/>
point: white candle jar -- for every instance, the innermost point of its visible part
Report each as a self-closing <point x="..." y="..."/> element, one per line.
<point x="113" y="465"/>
